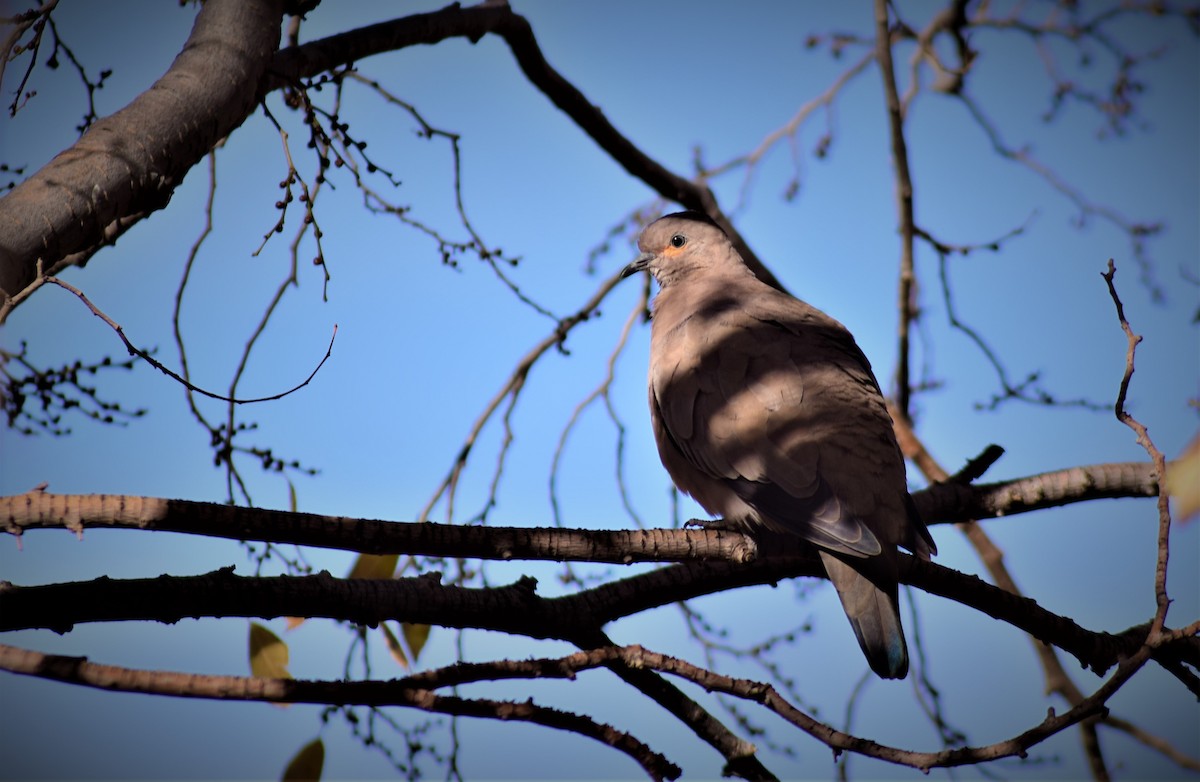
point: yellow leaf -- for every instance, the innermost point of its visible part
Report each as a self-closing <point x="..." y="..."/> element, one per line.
<point x="393" y="645"/>
<point x="415" y="636"/>
<point x="268" y="654"/>
<point x="374" y="566"/>
<point x="307" y="763"/>
<point x="1183" y="481"/>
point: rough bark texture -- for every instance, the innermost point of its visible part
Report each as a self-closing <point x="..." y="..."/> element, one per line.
<point x="130" y="163"/>
<point x="942" y="503"/>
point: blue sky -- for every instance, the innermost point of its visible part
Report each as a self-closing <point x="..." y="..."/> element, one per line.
<point x="422" y="347"/>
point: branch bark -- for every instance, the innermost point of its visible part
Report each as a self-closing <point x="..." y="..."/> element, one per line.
<point x="130" y="162"/>
<point x="473" y="23"/>
<point x="517" y="609"/>
<point x="418" y="691"/>
<point x="948" y="502"/>
<point x="412" y="691"/>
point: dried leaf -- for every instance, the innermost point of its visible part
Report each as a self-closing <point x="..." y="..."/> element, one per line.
<point x="307" y="764"/>
<point x="374" y="566"/>
<point x="1183" y="481"/>
<point x="415" y="636"/>
<point x="268" y="654"/>
<point x="393" y="645"/>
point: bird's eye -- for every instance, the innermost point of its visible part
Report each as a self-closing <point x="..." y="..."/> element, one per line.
<point x="678" y="240"/>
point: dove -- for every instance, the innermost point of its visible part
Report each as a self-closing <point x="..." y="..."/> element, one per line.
<point x="767" y="413"/>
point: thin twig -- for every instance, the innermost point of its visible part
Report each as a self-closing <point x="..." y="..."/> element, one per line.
<point x="512" y="389"/>
<point x="601" y="391"/>
<point x="135" y="351"/>
<point x="403" y="692"/>
<point x="1161" y="599"/>
<point x="415" y="692"/>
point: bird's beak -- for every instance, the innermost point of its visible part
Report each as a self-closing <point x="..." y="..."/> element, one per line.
<point x="640" y="264"/>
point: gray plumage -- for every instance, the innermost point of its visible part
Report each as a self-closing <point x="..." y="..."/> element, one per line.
<point x="767" y="413"/>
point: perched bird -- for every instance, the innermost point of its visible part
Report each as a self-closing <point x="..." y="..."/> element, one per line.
<point x="767" y="413"/>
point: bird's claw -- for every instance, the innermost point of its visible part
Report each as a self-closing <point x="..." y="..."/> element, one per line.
<point x="717" y="525"/>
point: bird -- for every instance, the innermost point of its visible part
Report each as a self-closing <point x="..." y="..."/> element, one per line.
<point x="767" y="413"/>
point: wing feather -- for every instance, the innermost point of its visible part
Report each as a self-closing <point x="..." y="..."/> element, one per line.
<point x="733" y="417"/>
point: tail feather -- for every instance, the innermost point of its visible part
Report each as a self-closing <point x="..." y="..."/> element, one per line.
<point x="869" y="598"/>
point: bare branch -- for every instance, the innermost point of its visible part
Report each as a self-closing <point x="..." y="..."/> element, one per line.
<point x="1057" y="680"/>
<point x="904" y="203"/>
<point x="947" y="502"/>
<point x="1136" y="231"/>
<point x="145" y="356"/>
<point x="36" y="399"/>
<point x="1028" y="389"/>
<point x="417" y="691"/>
<point x="789" y="131"/>
<point x="10" y="49"/>
<point x="1161" y="598"/>
<point x="741" y="758"/>
<point x="41" y="510"/>
<point x="396" y="692"/>
<point x="511" y="390"/>
<point x="131" y="161"/>
<point x="498" y="19"/>
<point x="517" y="609"/>
<point x="602" y="391"/>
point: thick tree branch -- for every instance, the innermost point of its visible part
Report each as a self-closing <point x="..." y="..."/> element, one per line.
<point x="517" y="609"/>
<point x="954" y="501"/>
<point x="947" y="502"/>
<point x="422" y="600"/>
<point x="77" y="512"/>
<point x="131" y="162"/>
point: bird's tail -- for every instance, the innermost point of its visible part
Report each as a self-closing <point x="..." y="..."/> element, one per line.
<point x="869" y="599"/>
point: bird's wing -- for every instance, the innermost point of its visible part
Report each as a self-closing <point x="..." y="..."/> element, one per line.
<point x="760" y="401"/>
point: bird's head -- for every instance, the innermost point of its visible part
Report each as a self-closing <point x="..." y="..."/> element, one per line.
<point x="681" y="244"/>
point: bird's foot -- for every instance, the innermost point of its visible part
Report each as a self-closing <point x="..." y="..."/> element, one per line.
<point x="718" y="525"/>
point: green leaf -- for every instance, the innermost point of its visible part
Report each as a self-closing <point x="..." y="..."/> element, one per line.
<point x="307" y="763"/>
<point x="268" y="654"/>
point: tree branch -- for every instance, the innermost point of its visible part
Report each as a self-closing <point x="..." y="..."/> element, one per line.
<point x="947" y="502"/>
<point x="417" y="691"/>
<point x="396" y="692"/>
<point x="904" y="202"/>
<point x="1057" y="680"/>
<point x="473" y="23"/>
<point x="1161" y="599"/>
<point x="131" y="162"/>
<point x="516" y="608"/>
